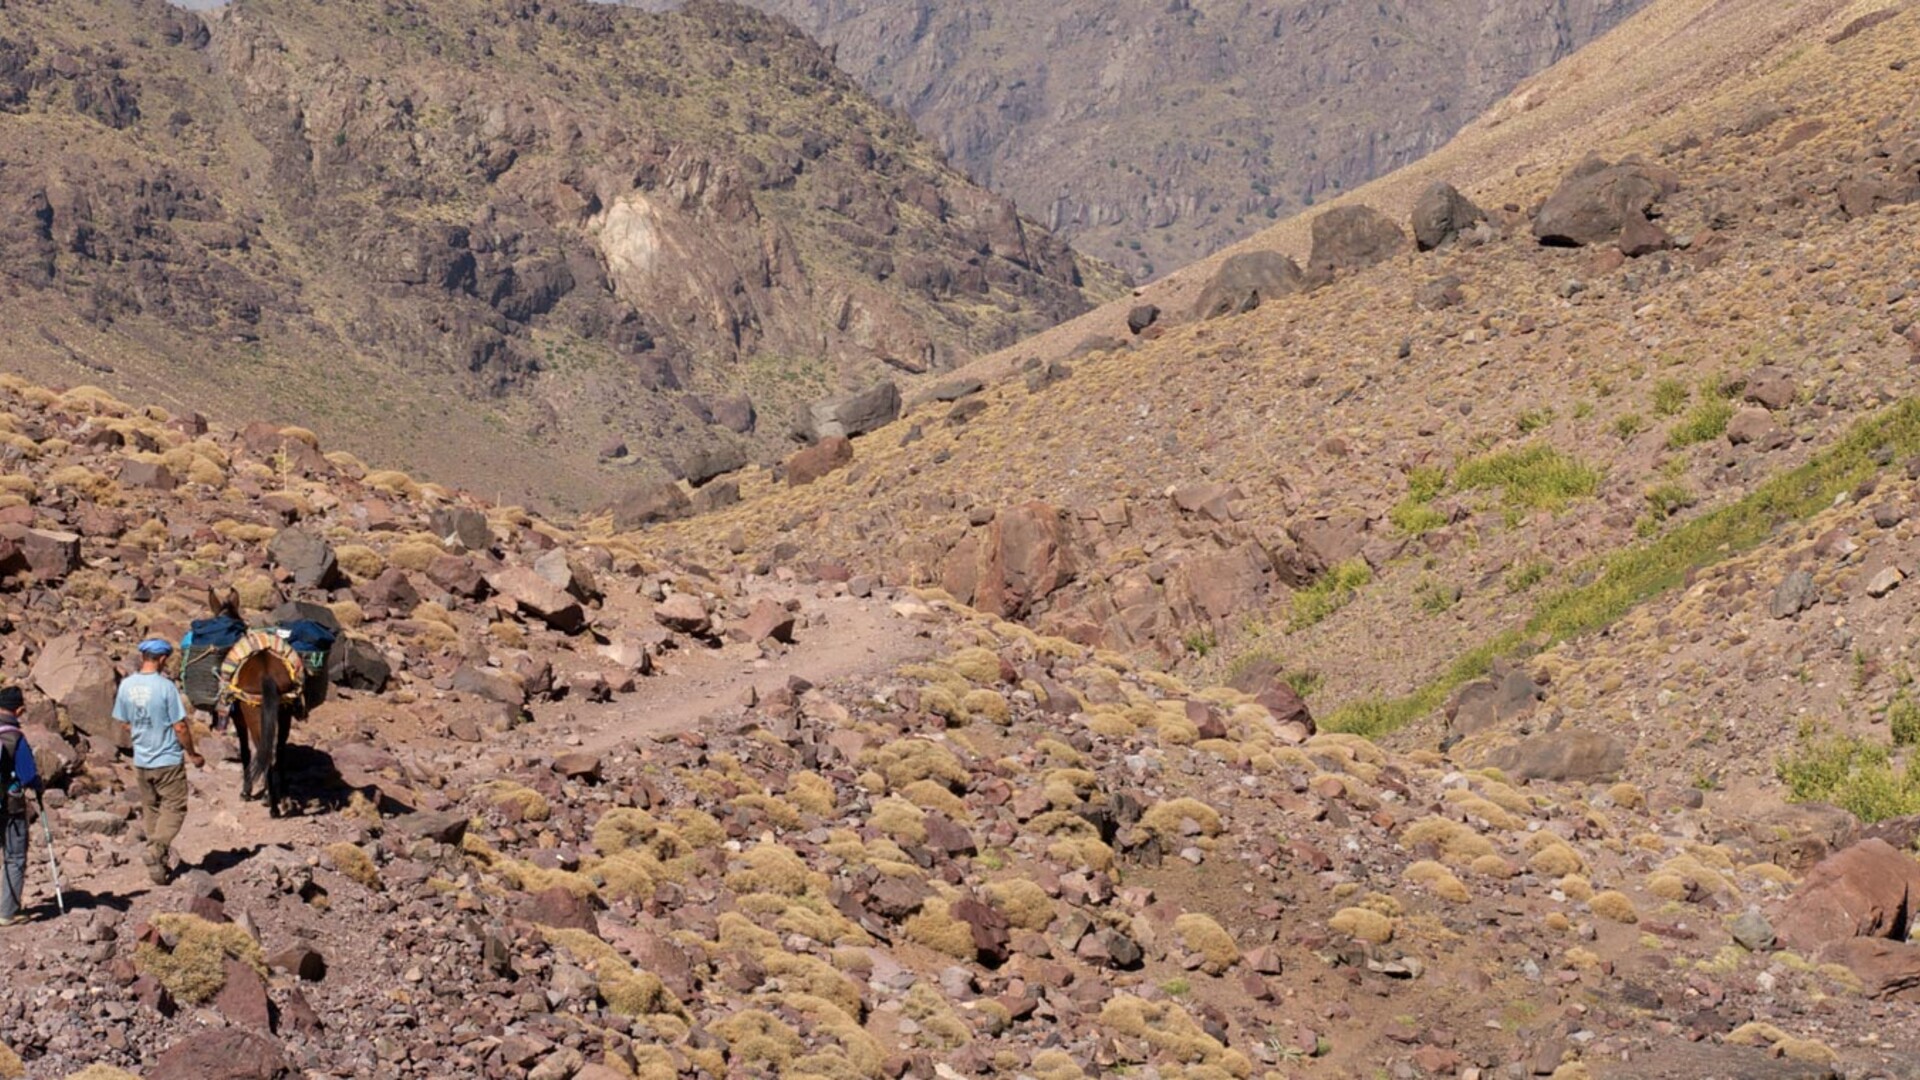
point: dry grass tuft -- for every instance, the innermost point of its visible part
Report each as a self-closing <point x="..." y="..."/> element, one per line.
<point x="195" y="968"/>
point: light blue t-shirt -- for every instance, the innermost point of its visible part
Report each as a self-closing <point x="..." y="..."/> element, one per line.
<point x="149" y="704"/>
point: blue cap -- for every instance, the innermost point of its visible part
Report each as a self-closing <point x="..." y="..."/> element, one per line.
<point x="155" y="647"/>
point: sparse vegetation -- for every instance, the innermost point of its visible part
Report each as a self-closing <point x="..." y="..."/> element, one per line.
<point x="1536" y="477"/>
<point x="1335" y="590"/>
<point x="1617" y="583"/>
<point x="1850" y="773"/>
<point x="1669" y="397"/>
<point x="1703" y="423"/>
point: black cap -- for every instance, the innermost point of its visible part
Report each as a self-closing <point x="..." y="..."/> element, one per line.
<point x="11" y="699"/>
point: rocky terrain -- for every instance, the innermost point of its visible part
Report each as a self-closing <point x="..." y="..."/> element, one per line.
<point x="570" y="811"/>
<point x="1462" y="633"/>
<point x="540" y="249"/>
<point x="1154" y="133"/>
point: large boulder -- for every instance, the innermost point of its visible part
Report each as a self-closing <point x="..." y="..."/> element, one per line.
<point x="540" y="598"/>
<point x="849" y="415"/>
<point x="1324" y="541"/>
<point x="1351" y="238"/>
<point x="707" y="462"/>
<point x="736" y="414"/>
<point x="306" y="557"/>
<point x="816" y="461"/>
<point x="1441" y="214"/>
<point x="1244" y="281"/>
<point x="46" y="554"/>
<point x="463" y="526"/>
<point x="1597" y="200"/>
<point x="79" y="678"/>
<point x="1567" y="754"/>
<point x="1024" y="557"/>
<point x="650" y="503"/>
<point x="1868" y="890"/>
<point x="226" y="1053"/>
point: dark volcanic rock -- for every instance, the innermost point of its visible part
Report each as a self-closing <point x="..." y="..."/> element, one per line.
<point x="1352" y="238"/>
<point x="1244" y="281"/>
<point x="1597" y="200"/>
<point x="1441" y="214"/>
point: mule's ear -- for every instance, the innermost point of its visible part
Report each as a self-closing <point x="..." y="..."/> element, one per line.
<point x="213" y="601"/>
<point x="279" y="596"/>
<point x="233" y="599"/>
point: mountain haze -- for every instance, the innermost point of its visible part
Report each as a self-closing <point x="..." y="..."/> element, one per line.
<point x="1152" y="133"/>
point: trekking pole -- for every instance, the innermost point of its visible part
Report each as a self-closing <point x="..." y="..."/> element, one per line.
<point x="59" y="895"/>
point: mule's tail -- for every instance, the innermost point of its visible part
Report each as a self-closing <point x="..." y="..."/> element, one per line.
<point x="264" y="751"/>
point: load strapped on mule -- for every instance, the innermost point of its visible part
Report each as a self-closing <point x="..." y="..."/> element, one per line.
<point x="215" y="649"/>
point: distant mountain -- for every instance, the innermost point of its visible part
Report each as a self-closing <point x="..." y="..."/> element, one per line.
<point x="1152" y="132"/>
<point x="489" y="241"/>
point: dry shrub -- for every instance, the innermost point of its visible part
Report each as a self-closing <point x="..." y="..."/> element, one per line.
<point x="770" y="868"/>
<point x="758" y="1037"/>
<point x="1438" y="880"/>
<point x="414" y="555"/>
<point x="1614" y="906"/>
<point x="360" y="561"/>
<point x="988" y="705"/>
<point x="1201" y="934"/>
<point x="937" y="929"/>
<point x="1024" y="903"/>
<point x="528" y="803"/>
<point x="1458" y="844"/>
<point x="1363" y="924"/>
<point x="906" y="760"/>
<point x="1168" y="818"/>
<point x="195" y="968"/>
<point x="812" y="793"/>
<point x="353" y="861"/>
<point x="1168" y="1028"/>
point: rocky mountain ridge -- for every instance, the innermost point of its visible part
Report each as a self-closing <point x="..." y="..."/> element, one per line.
<point x="1152" y="134"/>
<point x="613" y="239"/>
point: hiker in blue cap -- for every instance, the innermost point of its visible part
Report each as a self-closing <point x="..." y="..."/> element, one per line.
<point x="150" y="705"/>
<point x="18" y="775"/>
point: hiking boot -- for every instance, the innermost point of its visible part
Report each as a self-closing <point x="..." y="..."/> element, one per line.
<point x="157" y="867"/>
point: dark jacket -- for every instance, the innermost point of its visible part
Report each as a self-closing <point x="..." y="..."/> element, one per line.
<point x="18" y="771"/>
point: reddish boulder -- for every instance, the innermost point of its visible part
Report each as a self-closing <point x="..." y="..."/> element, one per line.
<point x="243" y="999"/>
<point x="1869" y="890"/>
<point x="230" y="1053"/>
<point x="684" y="613"/>
<point x="1026" y="558"/>
<point x="540" y="598"/>
<point x="558" y="908"/>
<point x="46" y="554"/>
<point x="663" y="501"/>
<point x="818" y="460"/>
<point x="768" y="620"/>
<point x="78" y="677"/>
<point x="1886" y="969"/>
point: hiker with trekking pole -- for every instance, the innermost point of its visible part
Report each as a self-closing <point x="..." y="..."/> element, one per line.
<point x="18" y="775"/>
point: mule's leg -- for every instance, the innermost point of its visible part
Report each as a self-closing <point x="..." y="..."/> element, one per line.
<point x="271" y="722"/>
<point x="246" y="757"/>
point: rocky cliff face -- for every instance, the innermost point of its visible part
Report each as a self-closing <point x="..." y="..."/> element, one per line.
<point x="1153" y="132"/>
<point x="571" y="216"/>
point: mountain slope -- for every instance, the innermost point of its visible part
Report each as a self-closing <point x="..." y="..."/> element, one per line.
<point x="1212" y="471"/>
<point x="1154" y="133"/>
<point x="487" y="240"/>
